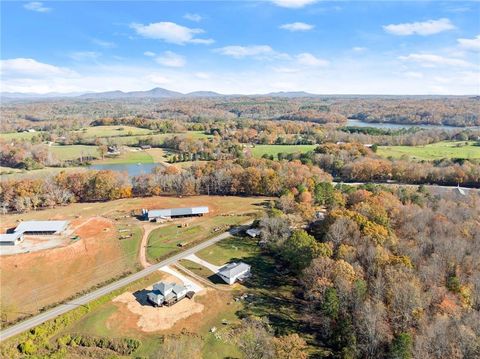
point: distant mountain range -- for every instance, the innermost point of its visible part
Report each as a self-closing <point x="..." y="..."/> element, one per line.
<point x="155" y="93"/>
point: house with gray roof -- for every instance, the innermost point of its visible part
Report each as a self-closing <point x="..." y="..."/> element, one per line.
<point x="235" y="271"/>
<point x="164" y="293"/>
<point x="168" y="213"/>
<point x="41" y="227"/>
<point x="10" y="239"/>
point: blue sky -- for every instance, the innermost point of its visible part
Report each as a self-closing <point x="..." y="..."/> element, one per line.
<point x="382" y="47"/>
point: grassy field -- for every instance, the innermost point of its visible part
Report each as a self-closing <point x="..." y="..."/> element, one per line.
<point x="19" y="135"/>
<point x="434" y="151"/>
<point x="73" y="152"/>
<point x="260" y="150"/>
<point x="127" y="158"/>
<point x="112" y="131"/>
<point x="165" y="240"/>
<point x="157" y="139"/>
<point x="228" y="249"/>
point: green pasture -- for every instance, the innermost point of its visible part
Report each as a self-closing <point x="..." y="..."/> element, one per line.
<point x="434" y="151"/>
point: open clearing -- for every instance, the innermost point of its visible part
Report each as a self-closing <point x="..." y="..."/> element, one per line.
<point x="73" y="152"/>
<point x="31" y="281"/>
<point x="111" y="131"/>
<point x="434" y="151"/>
<point x="260" y="150"/>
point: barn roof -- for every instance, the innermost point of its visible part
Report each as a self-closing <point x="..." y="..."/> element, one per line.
<point x="41" y="226"/>
<point x="10" y="237"/>
<point x="172" y="212"/>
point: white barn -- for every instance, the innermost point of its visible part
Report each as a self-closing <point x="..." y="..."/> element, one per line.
<point x="41" y="227"/>
<point x="168" y="213"/>
<point x="233" y="272"/>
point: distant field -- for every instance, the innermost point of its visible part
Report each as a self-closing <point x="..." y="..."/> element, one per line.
<point x="73" y="152"/>
<point x="19" y="135"/>
<point x="229" y="249"/>
<point x="155" y="138"/>
<point x="434" y="151"/>
<point x="128" y="157"/>
<point x="260" y="150"/>
<point x="112" y="131"/>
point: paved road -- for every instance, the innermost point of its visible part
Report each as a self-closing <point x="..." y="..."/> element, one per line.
<point x="85" y="299"/>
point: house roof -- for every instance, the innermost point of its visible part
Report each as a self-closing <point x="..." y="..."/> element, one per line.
<point x="41" y="226"/>
<point x="10" y="237"/>
<point x="232" y="270"/>
<point x="253" y="232"/>
<point x="171" y="212"/>
<point x="163" y="287"/>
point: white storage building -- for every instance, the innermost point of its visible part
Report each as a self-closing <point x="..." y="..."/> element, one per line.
<point x="41" y="227"/>
<point x="156" y="214"/>
<point x="233" y="272"/>
<point x="10" y="239"/>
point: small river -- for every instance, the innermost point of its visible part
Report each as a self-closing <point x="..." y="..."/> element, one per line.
<point x="133" y="169"/>
<point x="396" y="126"/>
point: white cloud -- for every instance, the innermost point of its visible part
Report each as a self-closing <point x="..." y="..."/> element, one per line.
<point x="470" y="44"/>
<point x="431" y="60"/>
<point x="238" y="52"/>
<point x="203" y="75"/>
<point x="36" y="6"/>
<point x="293" y="4"/>
<point x="285" y="70"/>
<point x="193" y="17"/>
<point x="170" y="32"/>
<point x="413" y="75"/>
<point x="26" y="68"/>
<point x="359" y="49"/>
<point x="149" y="53"/>
<point x="424" y="28"/>
<point x="297" y="26"/>
<point x="84" y="55"/>
<point x="105" y="44"/>
<point x="307" y="59"/>
<point x="171" y="59"/>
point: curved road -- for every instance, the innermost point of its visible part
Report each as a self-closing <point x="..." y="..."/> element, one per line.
<point x="85" y="299"/>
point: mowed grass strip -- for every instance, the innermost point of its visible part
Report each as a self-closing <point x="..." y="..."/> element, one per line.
<point x="127" y="158"/>
<point x="434" y="151"/>
<point x="260" y="150"/>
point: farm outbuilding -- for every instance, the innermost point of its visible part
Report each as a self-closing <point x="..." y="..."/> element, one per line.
<point x="233" y="272"/>
<point x="10" y="239"/>
<point x="41" y="227"/>
<point x="159" y="214"/>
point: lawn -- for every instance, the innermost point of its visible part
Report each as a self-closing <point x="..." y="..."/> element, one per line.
<point x="434" y="151"/>
<point x="260" y="150"/>
<point x="156" y="139"/>
<point x="229" y="249"/>
<point x="73" y="152"/>
<point x="19" y="135"/>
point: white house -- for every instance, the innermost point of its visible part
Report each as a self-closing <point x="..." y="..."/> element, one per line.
<point x="166" y="293"/>
<point x="10" y="239"/>
<point x="233" y="272"/>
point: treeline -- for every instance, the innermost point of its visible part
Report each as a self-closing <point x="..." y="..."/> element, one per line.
<point x="241" y="177"/>
<point x="387" y="273"/>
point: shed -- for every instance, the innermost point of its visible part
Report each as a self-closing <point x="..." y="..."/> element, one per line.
<point x="253" y="232"/>
<point x="233" y="272"/>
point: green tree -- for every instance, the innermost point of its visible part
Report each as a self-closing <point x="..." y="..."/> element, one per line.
<point x="324" y="194"/>
<point x="299" y="250"/>
<point x="401" y="347"/>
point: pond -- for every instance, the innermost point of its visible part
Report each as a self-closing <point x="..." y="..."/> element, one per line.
<point x="132" y="169"/>
<point x="359" y="123"/>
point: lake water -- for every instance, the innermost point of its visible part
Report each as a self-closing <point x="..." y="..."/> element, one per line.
<point x="133" y="169"/>
<point x="360" y="123"/>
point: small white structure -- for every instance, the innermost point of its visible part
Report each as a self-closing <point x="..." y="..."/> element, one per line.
<point x="10" y="239"/>
<point x="233" y="272"/>
<point x="41" y="227"/>
<point x="460" y="190"/>
<point x="164" y="293"/>
<point x="162" y="214"/>
<point x="253" y="232"/>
